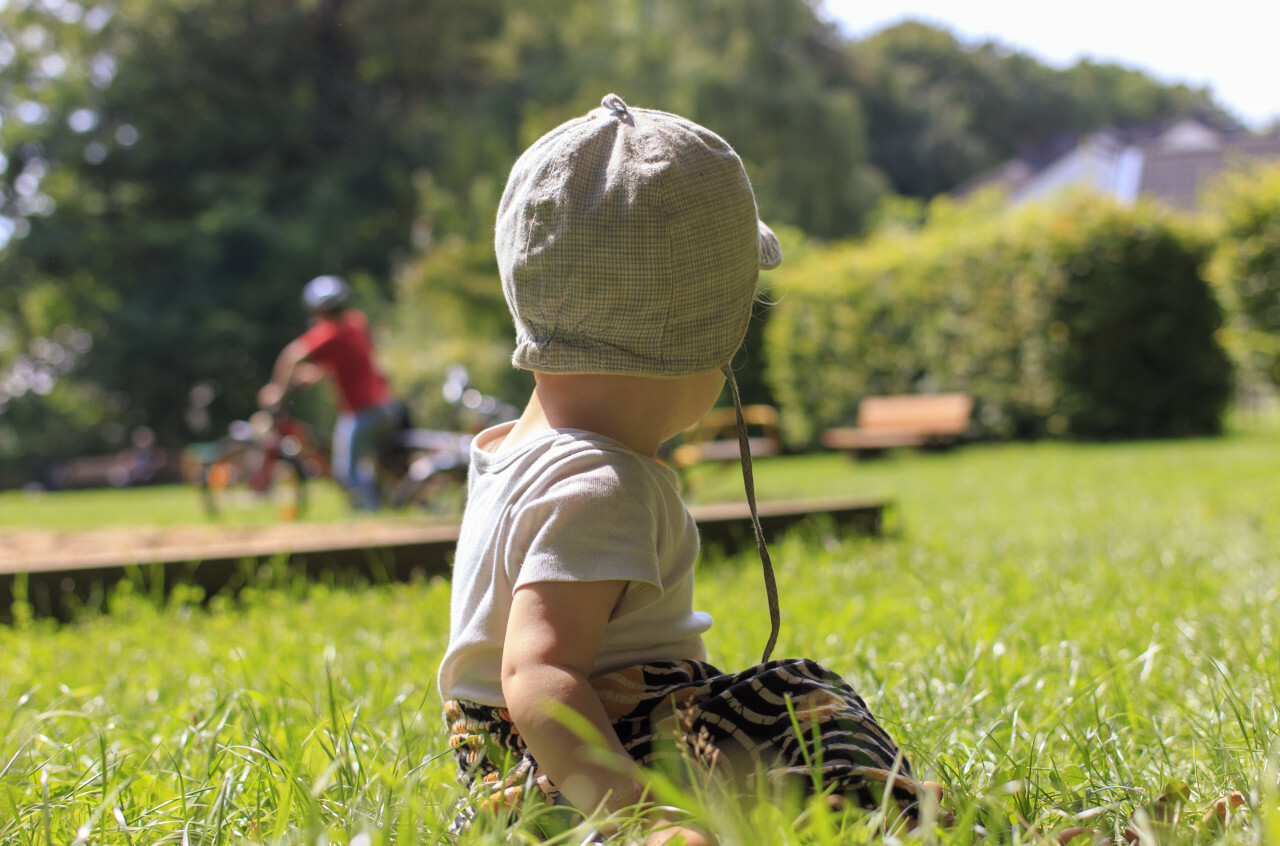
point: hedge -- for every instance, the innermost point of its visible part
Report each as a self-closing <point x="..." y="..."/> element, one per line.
<point x="1080" y="319"/>
<point x="1245" y="267"/>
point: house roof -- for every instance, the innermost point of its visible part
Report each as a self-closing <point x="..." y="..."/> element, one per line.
<point x="1177" y="158"/>
<point x="1178" y="177"/>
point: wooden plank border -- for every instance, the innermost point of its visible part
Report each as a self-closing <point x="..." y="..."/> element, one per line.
<point x="55" y="583"/>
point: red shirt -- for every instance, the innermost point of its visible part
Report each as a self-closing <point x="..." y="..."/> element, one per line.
<point x="343" y="348"/>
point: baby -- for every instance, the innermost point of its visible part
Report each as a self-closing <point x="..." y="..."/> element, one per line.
<point x="629" y="247"/>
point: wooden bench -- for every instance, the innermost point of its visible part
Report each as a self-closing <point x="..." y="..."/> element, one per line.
<point x="907" y="420"/>
<point x="715" y="436"/>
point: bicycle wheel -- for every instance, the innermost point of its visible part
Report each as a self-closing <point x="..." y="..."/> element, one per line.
<point x="251" y="483"/>
<point x="441" y="490"/>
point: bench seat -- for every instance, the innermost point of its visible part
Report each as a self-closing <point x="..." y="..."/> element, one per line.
<point x="885" y="422"/>
<point x="715" y="436"/>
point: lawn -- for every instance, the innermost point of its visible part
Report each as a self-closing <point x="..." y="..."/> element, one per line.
<point x="1058" y="634"/>
<point x="161" y="505"/>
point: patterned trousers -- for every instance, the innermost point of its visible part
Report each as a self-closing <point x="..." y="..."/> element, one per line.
<point x="793" y="720"/>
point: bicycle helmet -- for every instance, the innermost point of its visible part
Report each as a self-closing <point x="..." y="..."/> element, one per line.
<point x="325" y="293"/>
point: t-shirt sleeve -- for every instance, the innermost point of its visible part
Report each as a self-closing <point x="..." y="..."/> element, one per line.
<point x="319" y="338"/>
<point x="592" y="523"/>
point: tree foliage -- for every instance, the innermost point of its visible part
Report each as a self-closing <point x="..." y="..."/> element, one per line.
<point x="941" y="111"/>
<point x="196" y="164"/>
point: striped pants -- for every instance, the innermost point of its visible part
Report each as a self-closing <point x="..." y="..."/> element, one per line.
<point x="792" y="720"/>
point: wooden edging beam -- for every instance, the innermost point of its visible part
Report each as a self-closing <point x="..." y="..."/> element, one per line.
<point x="55" y="581"/>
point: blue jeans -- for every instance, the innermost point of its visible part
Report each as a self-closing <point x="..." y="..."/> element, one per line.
<point x="356" y="436"/>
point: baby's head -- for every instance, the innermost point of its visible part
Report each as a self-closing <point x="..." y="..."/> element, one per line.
<point x="630" y="246"/>
<point x="629" y="243"/>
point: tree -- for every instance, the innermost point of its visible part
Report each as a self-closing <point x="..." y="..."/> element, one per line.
<point x="196" y="163"/>
<point x="940" y="111"/>
<point x="765" y="74"/>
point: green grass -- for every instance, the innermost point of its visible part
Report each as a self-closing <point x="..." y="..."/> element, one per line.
<point x="159" y="505"/>
<point x="1056" y="633"/>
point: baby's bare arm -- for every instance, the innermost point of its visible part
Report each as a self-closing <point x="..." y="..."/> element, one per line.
<point x="553" y="635"/>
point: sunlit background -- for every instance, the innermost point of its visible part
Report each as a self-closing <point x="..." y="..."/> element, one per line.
<point x="170" y="175"/>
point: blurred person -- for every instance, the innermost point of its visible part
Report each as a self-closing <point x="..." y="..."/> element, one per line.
<point x="338" y="347"/>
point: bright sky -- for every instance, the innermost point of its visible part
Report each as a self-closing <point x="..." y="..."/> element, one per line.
<point x="1228" y="46"/>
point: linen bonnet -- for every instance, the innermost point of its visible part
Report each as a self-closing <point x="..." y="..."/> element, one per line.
<point x="628" y="242"/>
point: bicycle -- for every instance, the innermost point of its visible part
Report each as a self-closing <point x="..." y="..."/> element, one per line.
<point x="261" y="464"/>
<point x="265" y="463"/>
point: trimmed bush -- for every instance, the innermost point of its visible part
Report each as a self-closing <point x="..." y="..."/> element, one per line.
<point x="1083" y="319"/>
<point x="1140" y="357"/>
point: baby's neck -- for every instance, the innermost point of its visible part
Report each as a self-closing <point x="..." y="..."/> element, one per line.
<point x="636" y="411"/>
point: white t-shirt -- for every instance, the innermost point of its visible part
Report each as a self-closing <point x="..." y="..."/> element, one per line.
<point x="565" y="507"/>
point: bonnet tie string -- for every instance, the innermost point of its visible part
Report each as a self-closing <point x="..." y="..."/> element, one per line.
<point x="748" y="482"/>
